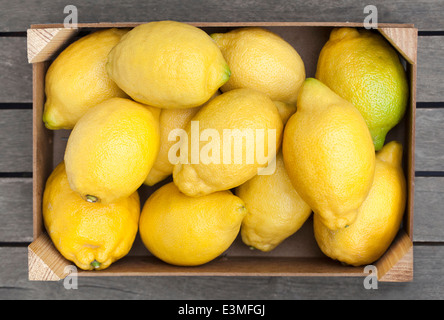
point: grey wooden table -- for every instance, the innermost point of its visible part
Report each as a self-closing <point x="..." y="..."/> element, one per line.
<point x="16" y="150"/>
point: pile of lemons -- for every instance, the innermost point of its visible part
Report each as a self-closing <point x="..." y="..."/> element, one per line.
<point x="135" y="99"/>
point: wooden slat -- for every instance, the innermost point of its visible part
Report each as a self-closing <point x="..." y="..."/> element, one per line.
<point x="16" y="80"/>
<point x="44" y="43"/>
<point x="428" y="214"/>
<point x="397" y="263"/>
<point x="16" y="73"/>
<point x="16" y="210"/>
<point x="430" y="69"/>
<point x="425" y="14"/>
<point x="429" y="152"/>
<point x="427" y="284"/>
<point x="44" y="261"/>
<point x="16" y="140"/>
<point x="405" y="40"/>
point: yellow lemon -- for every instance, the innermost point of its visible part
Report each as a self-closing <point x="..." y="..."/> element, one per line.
<point x="275" y="209"/>
<point x="329" y="154"/>
<point x="77" y="79"/>
<point x="379" y="218"/>
<point x="111" y="150"/>
<point x="260" y="59"/>
<point x="190" y="231"/>
<point x="227" y="142"/>
<point x="285" y="110"/>
<point x="168" y="64"/>
<point x="92" y="235"/>
<point x="364" y="69"/>
<point x="170" y="120"/>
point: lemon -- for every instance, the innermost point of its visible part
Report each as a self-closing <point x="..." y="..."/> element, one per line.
<point x="275" y="209"/>
<point x="379" y="217"/>
<point x="92" y="235"/>
<point x="169" y="120"/>
<point x="235" y="135"/>
<point x="190" y="231"/>
<point x="168" y="64"/>
<point x="285" y="110"/>
<point x="77" y="79"/>
<point x="260" y="59"/>
<point x="364" y="69"/>
<point x="329" y="154"/>
<point x="111" y="150"/>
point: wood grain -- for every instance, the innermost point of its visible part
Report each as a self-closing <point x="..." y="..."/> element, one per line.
<point x="15" y="141"/>
<point x="42" y="145"/>
<point x="397" y="264"/>
<point x="430" y="69"/>
<point x="429" y="152"/>
<point x="429" y="204"/>
<point x="45" y="263"/>
<point x="42" y="44"/>
<point x="427" y="284"/>
<point x="19" y="15"/>
<point x="17" y="79"/>
<point x="405" y="40"/>
<point x="16" y="73"/>
<point x="16" y="210"/>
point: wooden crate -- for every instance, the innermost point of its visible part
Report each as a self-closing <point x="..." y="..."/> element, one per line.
<point x="297" y="256"/>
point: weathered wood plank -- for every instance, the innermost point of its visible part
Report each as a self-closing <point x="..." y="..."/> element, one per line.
<point x="15" y="210"/>
<point x="428" y="209"/>
<point x="429" y="151"/>
<point x="16" y="140"/>
<point x="425" y="14"/>
<point x="16" y="73"/>
<point x="16" y="80"/>
<point x="427" y="284"/>
<point x="430" y="86"/>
